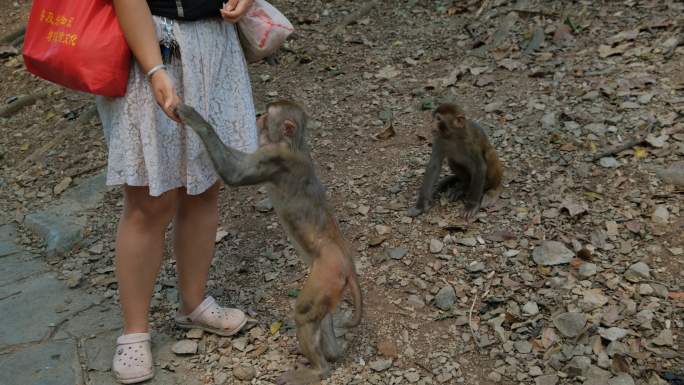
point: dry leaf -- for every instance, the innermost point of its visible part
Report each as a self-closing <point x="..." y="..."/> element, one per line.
<point x="386" y="133"/>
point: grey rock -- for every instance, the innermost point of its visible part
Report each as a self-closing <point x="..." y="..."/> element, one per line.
<point x="61" y="233"/>
<point x="549" y="120"/>
<point x="674" y="174"/>
<point x="645" y="318"/>
<point x="535" y="371"/>
<point x="185" y="347"/>
<point x="61" y="226"/>
<point x="551" y="253"/>
<point x="592" y="299"/>
<point x="609" y="162"/>
<point x="645" y="289"/>
<point x="638" y="272"/>
<point x="445" y="298"/>
<point x="494" y="376"/>
<point x="596" y="376"/>
<point x="530" y="308"/>
<point x="598" y="129"/>
<point x="570" y="324"/>
<point x="412" y="377"/>
<point x="661" y="215"/>
<point x="380" y="365"/>
<point x="221" y="378"/>
<point x="396" y="253"/>
<point x="470" y="242"/>
<point x="523" y="347"/>
<point x="549" y="379"/>
<point x="415" y="301"/>
<point x="264" y="205"/>
<point x="612" y="334"/>
<point x="621" y="379"/>
<point x="436" y="246"/>
<point x="240" y="343"/>
<point x="578" y="366"/>
<point x="244" y="372"/>
<point x="587" y="270"/>
<point x="49" y="363"/>
<point x="665" y="338"/>
<point x="475" y="267"/>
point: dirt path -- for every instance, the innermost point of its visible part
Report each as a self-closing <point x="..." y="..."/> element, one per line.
<point x="591" y="84"/>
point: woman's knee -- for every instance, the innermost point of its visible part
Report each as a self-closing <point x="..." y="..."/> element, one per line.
<point x="139" y="205"/>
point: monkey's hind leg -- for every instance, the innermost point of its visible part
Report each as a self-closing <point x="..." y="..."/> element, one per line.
<point x="329" y="344"/>
<point x="314" y="329"/>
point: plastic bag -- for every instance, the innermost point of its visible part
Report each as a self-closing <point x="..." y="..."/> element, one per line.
<point x="77" y="44"/>
<point x="262" y="31"/>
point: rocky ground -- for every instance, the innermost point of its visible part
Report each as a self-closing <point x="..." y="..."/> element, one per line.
<point x="510" y="299"/>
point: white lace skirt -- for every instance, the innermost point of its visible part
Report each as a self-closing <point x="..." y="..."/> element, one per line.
<point x="146" y="148"/>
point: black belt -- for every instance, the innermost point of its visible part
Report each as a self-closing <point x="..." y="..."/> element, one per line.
<point x="186" y="9"/>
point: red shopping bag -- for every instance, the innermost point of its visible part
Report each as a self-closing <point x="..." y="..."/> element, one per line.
<point x="77" y="44"/>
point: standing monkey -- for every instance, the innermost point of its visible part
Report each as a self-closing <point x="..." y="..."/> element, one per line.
<point x="473" y="161"/>
<point x="284" y="164"/>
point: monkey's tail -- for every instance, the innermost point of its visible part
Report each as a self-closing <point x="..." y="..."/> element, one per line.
<point x="357" y="298"/>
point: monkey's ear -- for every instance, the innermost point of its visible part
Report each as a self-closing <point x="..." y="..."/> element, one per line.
<point x="289" y="128"/>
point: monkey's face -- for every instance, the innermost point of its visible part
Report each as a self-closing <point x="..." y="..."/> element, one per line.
<point x="449" y="123"/>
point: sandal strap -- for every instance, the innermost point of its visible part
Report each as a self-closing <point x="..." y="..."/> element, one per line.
<point x="207" y="304"/>
<point x="132" y="338"/>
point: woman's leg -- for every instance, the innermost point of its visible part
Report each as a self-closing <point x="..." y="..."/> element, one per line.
<point x="140" y="250"/>
<point x="194" y="237"/>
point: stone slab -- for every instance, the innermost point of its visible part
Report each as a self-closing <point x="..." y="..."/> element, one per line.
<point x="32" y="307"/>
<point x="61" y="224"/>
<point x="94" y="321"/>
<point x="20" y="266"/>
<point x="8" y="237"/>
<point x="50" y="363"/>
<point x="61" y="232"/>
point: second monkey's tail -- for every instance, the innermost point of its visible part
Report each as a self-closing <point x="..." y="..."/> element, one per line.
<point x="357" y="298"/>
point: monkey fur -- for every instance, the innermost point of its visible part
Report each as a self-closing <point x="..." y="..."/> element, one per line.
<point x="284" y="164"/>
<point x="476" y="170"/>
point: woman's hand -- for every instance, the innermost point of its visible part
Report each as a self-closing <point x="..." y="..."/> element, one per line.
<point x="165" y="93"/>
<point x="233" y="10"/>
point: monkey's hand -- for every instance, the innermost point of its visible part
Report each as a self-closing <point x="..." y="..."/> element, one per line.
<point x="470" y="211"/>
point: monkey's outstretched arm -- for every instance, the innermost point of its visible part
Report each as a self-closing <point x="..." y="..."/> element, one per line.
<point x="235" y="167"/>
<point x="426" y="193"/>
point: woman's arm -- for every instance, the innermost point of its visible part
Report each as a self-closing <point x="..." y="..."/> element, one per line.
<point x="136" y="22"/>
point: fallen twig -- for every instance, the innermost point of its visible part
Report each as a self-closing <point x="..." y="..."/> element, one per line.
<point x="483" y="6"/>
<point x="475" y="333"/>
<point x="21" y="102"/>
<point x="355" y="16"/>
<point x="638" y="139"/>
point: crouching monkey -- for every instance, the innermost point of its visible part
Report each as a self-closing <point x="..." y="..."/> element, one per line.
<point x="472" y="159"/>
<point x="284" y="164"/>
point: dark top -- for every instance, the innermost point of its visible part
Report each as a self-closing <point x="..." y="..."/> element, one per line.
<point x="191" y="9"/>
